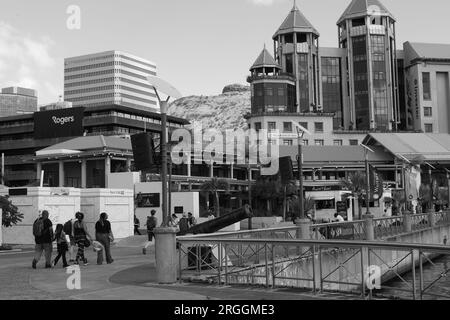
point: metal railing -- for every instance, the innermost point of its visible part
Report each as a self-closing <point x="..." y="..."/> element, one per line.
<point x="352" y="230"/>
<point x="316" y="265"/>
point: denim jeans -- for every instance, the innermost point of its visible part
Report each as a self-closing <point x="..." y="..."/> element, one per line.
<point x="103" y="238"/>
<point x="43" y="247"/>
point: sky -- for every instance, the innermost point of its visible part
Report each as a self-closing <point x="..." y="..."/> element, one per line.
<point x="198" y="45"/>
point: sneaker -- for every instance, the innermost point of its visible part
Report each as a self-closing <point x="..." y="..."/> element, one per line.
<point x="111" y="261"/>
<point x="33" y="264"/>
<point x="85" y="262"/>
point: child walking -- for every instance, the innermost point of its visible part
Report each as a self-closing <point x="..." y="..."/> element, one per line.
<point x="62" y="245"/>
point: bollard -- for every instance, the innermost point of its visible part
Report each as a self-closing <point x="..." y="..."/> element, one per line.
<point x="431" y="219"/>
<point x="304" y="229"/>
<point x="368" y="223"/>
<point x="407" y="223"/>
<point x="166" y="256"/>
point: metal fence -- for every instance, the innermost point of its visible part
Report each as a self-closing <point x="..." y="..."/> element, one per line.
<point x="318" y="266"/>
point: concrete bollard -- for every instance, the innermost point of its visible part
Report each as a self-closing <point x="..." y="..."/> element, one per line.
<point x="431" y="219"/>
<point x="369" y="226"/>
<point x="407" y="223"/>
<point x="166" y="255"/>
<point x="304" y="229"/>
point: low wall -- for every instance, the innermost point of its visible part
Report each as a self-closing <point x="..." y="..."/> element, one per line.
<point x="117" y="203"/>
<point x="61" y="203"/>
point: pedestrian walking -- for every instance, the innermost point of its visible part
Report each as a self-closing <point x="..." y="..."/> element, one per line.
<point x="174" y="221"/>
<point x="68" y="230"/>
<point x="137" y="224"/>
<point x="62" y="245"/>
<point x="191" y="220"/>
<point x="151" y="224"/>
<point x="104" y="235"/>
<point x="184" y="224"/>
<point x="82" y="238"/>
<point x="43" y="237"/>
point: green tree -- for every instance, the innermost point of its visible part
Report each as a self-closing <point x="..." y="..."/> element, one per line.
<point x="215" y="186"/>
<point x="356" y="184"/>
<point x="10" y="213"/>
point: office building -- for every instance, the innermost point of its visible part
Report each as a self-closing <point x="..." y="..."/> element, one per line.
<point x="17" y="100"/>
<point x="364" y="85"/>
<point x="107" y="78"/>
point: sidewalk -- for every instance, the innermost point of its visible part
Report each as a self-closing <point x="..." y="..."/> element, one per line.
<point x="132" y="276"/>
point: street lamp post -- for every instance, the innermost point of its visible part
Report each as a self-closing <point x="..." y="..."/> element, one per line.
<point x="366" y="160"/>
<point x="165" y="236"/>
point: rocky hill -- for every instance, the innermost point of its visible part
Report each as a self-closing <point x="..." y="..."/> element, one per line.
<point x="224" y="111"/>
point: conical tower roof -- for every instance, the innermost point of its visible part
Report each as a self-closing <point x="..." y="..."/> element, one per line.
<point x="361" y="8"/>
<point x="295" y="22"/>
<point x="265" y="59"/>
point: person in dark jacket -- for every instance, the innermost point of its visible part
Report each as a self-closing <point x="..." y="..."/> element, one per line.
<point x="151" y="224"/>
<point x="104" y="235"/>
<point x="183" y="224"/>
<point x="43" y="239"/>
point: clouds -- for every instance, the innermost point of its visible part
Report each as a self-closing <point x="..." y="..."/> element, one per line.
<point x="26" y="61"/>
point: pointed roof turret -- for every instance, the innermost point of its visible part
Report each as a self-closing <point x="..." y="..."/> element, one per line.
<point x="295" y="22"/>
<point x="362" y="8"/>
<point x="265" y="59"/>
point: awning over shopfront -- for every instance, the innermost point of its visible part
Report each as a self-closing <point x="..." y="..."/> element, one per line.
<point x="431" y="148"/>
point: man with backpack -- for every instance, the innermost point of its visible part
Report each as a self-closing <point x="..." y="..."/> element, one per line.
<point x="43" y="236"/>
<point x="151" y="224"/>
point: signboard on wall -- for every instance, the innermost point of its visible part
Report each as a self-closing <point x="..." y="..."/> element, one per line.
<point x="148" y="200"/>
<point x="322" y="188"/>
<point x="59" y="123"/>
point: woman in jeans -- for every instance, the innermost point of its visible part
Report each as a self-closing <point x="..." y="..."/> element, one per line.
<point x="104" y="235"/>
<point x="81" y="235"/>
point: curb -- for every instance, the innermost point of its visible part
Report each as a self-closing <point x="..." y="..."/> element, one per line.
<point x="10" y="251"/>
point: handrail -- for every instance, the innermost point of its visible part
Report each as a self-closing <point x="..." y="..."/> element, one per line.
<point x="334" y="243"/>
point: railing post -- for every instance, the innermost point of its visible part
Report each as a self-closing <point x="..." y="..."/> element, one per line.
<point x="407" y="223"/>
<point x="413" y="270"/>
<point x="267" y="265"/>
<point x="368" y="223"/>
<point x="431" y="219"/>
<point x="219" y="246"/>
<point x="226" y="264"/>
<point x="303" y="231"/>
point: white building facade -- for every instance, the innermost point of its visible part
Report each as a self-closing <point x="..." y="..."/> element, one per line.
<point x="111" y="77"/>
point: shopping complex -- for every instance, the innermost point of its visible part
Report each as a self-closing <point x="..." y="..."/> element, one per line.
<point x="366" y="91"/>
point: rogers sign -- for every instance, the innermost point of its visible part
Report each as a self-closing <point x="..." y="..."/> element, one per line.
<point x="59" y="123"/>
<point x="63" y="121"/>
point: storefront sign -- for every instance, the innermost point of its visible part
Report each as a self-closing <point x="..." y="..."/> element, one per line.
<point x="148" y="200"/>
<point x="59" y="123"/>
<point x="322" y="188"/>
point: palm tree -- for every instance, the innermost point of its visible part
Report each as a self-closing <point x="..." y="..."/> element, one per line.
<point x="356" y="184"/>
<point x="215" y="186"/>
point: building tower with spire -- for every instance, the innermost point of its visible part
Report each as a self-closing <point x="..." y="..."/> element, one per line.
<point x="271" y="91"/>
<point x="367" y="33"/>
<point x="296" y="46"/>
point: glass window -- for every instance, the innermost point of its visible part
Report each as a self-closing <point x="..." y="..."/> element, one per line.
<point x="272" y="126"/>
<point x="257" y="126"/>
<point x="428" y="111"/>
<point x="287" y="126"/>
<point x="426" y="86"/>
<point x="429" y="128"/>
<point x="354" y="142"/>
<point x="319" y="142"/>
<point x="325" y="204"/>
<point x="304" y="125"/>
<point x="337" y="142"/>
<point x="318" y="127"/>
<point x="288" y="142"/>
<point x="305" y="142"/>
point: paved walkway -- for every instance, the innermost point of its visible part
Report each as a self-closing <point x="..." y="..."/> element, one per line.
<point x="130" y="277"/>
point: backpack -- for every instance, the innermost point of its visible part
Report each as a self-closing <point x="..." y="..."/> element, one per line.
<point x="38" y="227"/>
<point x="151" y="223"/>
<point x="67" y="228"/>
